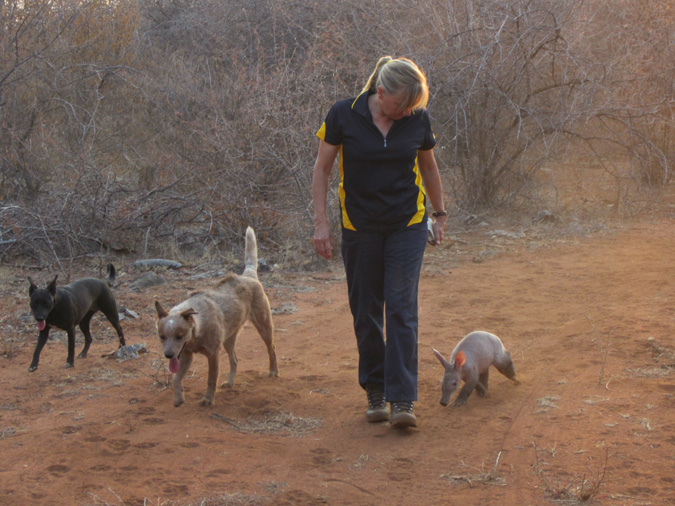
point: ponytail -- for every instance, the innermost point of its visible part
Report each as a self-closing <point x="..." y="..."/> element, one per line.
<point x="372" y="80"/>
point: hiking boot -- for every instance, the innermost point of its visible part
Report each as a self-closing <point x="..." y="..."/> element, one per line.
<point x="378" y="410"/>
<point x="402" y="415"/>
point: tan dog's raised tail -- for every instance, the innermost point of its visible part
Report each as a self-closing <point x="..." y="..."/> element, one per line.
<point x="211" y="318"/>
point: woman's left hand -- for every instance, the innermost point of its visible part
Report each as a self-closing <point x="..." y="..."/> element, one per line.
<point x="438" y="226"/>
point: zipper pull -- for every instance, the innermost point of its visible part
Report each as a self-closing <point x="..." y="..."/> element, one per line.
<point x="385" y="142"/>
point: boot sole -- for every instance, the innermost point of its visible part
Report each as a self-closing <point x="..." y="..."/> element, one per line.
<point x="377" y="415"/>
<point x="403" y="420"/>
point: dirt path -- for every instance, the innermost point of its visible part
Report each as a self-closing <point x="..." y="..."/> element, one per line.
<point x="589" y="323"/>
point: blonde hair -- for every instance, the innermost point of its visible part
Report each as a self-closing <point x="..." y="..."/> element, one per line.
<point x="400" y="75"/>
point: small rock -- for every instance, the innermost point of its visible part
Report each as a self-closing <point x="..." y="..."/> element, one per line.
<point x="146" y="280"/>
<point x="285" y="308"/>
<point x="129" y="352"/>
<point x="545" y="216"/>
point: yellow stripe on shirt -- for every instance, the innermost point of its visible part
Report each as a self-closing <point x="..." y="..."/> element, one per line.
<point x="419" y="215"/>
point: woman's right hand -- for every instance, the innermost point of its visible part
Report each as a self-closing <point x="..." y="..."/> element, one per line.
<point x="323" y="243"/>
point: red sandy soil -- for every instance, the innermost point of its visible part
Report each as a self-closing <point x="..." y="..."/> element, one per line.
<point x="588" y="318"/>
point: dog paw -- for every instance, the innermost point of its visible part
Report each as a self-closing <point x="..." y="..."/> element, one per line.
<point x="274" y="374"/>
<point x="206" y="402"/>
<point x="32" y="368"/>
<point x="82" y="355"/>
<point x="227" y="384"/>
<point x="69" y="364"/>
<point x="177" y="402"/>
<point x="458" y="403"/>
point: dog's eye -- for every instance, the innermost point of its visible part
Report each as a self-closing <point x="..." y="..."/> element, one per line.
<point x="162" y="338"/>
<point x="179" y="337"/>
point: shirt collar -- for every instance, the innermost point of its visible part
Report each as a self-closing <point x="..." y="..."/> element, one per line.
<point x="360" y="104"/>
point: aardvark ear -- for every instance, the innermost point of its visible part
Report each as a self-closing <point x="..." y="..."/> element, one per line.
<point x="441" y="358"/>
<point x="161" y="313"/>
<point x="460" y="360"/>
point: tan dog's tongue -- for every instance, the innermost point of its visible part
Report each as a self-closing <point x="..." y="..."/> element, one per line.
<point x="41" y="325"/>
<point x="174" y="365"/>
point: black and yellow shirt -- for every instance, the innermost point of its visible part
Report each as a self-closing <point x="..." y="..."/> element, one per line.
<point x="380" y="183"/>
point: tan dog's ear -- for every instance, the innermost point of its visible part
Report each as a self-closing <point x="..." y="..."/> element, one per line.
<point x="161" y="313"/>
<point x="188" y="313"/>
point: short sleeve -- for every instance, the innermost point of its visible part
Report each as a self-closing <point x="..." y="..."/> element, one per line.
<point x="429" y="138"/>
<point x="331" y="129"/>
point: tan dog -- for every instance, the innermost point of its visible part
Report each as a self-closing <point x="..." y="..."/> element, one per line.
<point x="211" y="318"/>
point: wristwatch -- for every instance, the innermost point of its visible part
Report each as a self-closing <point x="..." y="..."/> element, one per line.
<point x="436" y="214"/>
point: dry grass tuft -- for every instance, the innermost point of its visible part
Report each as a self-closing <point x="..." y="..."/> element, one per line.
<point x="8" y="336"/>
<point x="236" y="499"/>
<point x="161" y="376"/>
<point x="546" y="403"/>
<point x="604" y="351"/>
<point x="659" y="352"/>
<point x="225" y="499"/>
<point x="282" y="424"/>
<point x="663" y="355"/>
<point x="651" y="372"/>
<point x="480" y="476"/>
<point x="6" y="432"/>
<point x="579" y="490"/>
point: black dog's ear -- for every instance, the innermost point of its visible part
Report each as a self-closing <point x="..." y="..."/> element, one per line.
<point x="52" y="286"/>
<point x="32" y="287"/>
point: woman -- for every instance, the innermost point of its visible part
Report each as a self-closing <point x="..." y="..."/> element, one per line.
<point x="387" y="171"/>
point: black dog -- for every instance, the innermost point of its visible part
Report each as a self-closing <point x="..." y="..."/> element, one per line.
<point x="71" y="305"/>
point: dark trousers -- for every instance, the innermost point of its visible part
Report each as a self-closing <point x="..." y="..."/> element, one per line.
<point x="383" y="271"/>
